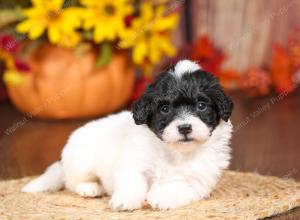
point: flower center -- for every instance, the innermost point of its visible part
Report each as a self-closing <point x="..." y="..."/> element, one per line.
<point x="147" y="33"/>
<point x="53" y="14"/>
<point x="109" y="9"/>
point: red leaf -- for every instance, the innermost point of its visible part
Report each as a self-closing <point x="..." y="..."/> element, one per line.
<point x="9" y="44"/>
<point x="128" y="19"/>
<point x="21" y="65"/>
<point x="208" y="56"/>
<point x="255" y="82"/>
<point x="280" y="67"/>
<point x="229" y="79"/>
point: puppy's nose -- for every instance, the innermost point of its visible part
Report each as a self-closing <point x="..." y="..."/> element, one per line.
<point x="185" y="129"/>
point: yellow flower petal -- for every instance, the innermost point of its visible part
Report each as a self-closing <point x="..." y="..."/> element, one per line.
<point x="37" y="2"/>
<point x="165" y="45"/>
<point x="25" y="26"/>
<point x="139" y="52"/>
<point x="36" y="12"/>
<point x="147" y="11"/>
<point x="36" y="31"/>
<point x="49" y="15"/>
<point x="98" y="34"/>
<point x="151" y="30"/>
<point x="154" y="53"/>
<point x="72" y="17"/>
<point x="127" y="38"/>
<point x="107" y="24"/>
<point x="54" y="34"/>
<point x="88" y="2"/>
<point x="160" y="11"/>
<point x="13" y="78"/>
<point x="167" y="23"/>
<point x="57" y="3"/>
<point x="69" y="39"/>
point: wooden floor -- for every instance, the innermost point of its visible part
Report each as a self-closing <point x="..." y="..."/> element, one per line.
<point x="265" y="140"/>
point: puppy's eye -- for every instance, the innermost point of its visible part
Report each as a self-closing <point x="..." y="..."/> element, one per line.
<point x="201" y="106"/>
<point x="165" y="109"/>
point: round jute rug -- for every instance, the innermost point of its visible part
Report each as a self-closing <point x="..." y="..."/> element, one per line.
<point x="237" y="196"/>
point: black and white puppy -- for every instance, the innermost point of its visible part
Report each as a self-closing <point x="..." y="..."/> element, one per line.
<point x="169" y="151"/>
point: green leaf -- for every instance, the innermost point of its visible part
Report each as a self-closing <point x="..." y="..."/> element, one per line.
<point x="104" y="55"/>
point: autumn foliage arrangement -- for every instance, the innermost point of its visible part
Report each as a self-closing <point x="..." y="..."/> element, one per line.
<point x="97" y="34"/>
<point x="143" y="28"/>
<point x="281" y="74"/>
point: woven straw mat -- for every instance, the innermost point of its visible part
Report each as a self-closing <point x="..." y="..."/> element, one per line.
<point x="237" y="196"/>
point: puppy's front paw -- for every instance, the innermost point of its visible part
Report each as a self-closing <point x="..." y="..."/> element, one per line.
<point x="172" y="195"/>
<point x="89" y="189"/>
<point x="125" y="201"/>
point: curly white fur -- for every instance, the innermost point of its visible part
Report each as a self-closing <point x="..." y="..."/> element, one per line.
<point x="113" y="155"/>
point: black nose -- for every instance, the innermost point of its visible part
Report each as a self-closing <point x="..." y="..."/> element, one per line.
<point x="185" y="129"/>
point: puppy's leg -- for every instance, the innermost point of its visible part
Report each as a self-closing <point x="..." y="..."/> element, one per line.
<point x="84" y="184"/>
<point x="130" y="190"/>
<point x="171" y="195"/>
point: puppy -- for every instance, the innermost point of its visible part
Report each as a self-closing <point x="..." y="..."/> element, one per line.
<point x="169" y="151"/>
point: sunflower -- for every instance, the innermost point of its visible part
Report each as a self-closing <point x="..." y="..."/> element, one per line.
<point x="149" y="35"/>
<point x="106" y="17"/>
<point x="48" y="15"/>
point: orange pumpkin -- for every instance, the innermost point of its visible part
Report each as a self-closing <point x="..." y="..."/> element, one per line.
<point x="64" y="85"/>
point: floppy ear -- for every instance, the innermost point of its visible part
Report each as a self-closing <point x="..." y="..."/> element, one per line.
<point x="142" y="109"/>
<point x="223" y="102"/>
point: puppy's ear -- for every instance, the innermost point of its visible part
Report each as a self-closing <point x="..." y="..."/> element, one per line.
<point x="142" y="109"/>
<point x="223" y="102"/>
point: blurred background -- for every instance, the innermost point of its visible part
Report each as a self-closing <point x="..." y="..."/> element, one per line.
<point x="63" y="63"/>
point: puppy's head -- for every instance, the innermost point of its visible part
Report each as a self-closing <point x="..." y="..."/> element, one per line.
<point x="183" y="106"/>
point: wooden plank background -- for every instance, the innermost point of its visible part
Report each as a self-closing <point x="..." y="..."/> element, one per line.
<point x="245" y="29"/>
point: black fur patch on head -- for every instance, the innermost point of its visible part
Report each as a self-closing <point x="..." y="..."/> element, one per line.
<point x="197" y="93"/>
